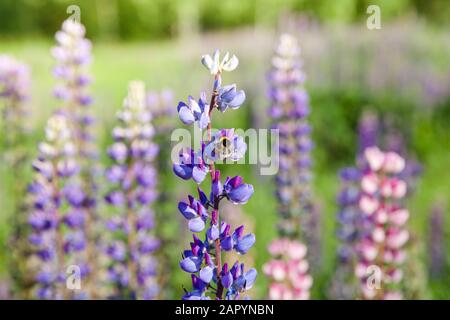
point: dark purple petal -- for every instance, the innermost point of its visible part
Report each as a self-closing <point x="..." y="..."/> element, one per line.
<point x="182" y="171"/>
<point x="187" y="211"/>
<point x="227" y="243"/>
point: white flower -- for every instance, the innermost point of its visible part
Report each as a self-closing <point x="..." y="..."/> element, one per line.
<point x="215" y="66"/>
<point x="57" y="128"/>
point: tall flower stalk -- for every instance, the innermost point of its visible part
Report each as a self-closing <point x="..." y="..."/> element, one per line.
<point x="14" y="94"/>
<point x="289" y="110"/>
<point x="133" y="177"/>
<point x="73" y="56"/>
<point x="211" y="278"/>
<point x="160" y="105"/>
<point x="381" y="252"/>
<point x="350" y="230"/>
<point x="56" y="217"/>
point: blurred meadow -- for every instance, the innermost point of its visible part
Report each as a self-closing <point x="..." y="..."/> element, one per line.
<point x="401" y="72"/>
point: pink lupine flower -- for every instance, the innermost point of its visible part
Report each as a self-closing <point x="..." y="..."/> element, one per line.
<point x="374" y="158"/>
<point x="296" y="250"/>
<point x="382" y="247"/>
<point x="369" y="183"/>
<point x="368" y="249"/>
<point x="399" y="217"/>
<point x="279" y="291"/>
<point x="368" y="204"/>
<point x="393" y="163"/>
<point x="288" y="270"/>
<point x="396" y="238"/>
<point x="378" y="234"/>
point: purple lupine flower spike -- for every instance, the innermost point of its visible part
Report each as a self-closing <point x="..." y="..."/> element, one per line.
<point x="133" y="179"/>
<point x="212" y="279"/>
<point x="350" y="230"/>
<point x="289" y="110"/>
<point x="14" y="95"/>
<point x="73" y="57"/>
<point x="55" y="218"/>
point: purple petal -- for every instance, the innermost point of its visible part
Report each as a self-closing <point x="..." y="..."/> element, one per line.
<point x="186" y="116"/>
<point x="227" y="243"/>
<point x="203" y="121"/>
<point x="206" y="274"/>
<point x="199" y="174"/>
<point x="241" y="194"/>
<point x="250" y="277"/>
<point x="187" y="211"/>
<point x="245" y="243"/>
<point x="213" y="233"/>
<point x="182" y="171"/>
<point x="196" y="224"/>
<point x="227" y="280"/>
<point x="190" y="264"/>
<point x="238" y="99"/>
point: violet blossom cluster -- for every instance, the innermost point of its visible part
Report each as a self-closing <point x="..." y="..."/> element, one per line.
<point x="73" y="57"/>
<point x="289" y="111"/>
<point x="212" y="278"/>
<point x="56" y="217"/>
<point x="133" y="178"/>
<point x="381" y="251"/>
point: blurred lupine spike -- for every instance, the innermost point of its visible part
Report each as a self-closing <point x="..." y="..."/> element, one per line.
<point x="160" y="105"/>
<point x="368" y="131"/>
<point x="14" y="96"/>
<point x="350" y="230"/>
<point x="381" y="251"/>
<point x="55" y="218"/>
<point x="73" y="57"/>
<point x="131" y="243"/>
<point x="436" y="242"/>
<point x="289" y="111"/>
<point x="288" y="270"/>
<point x="212" y="277"/>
